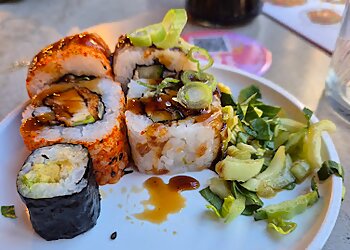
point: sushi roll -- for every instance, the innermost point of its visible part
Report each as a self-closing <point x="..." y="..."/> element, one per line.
<point x="57" y="185"/>
<point x="89" y="112"/>
<point x="84" y="54"/>
<point x="133" y="62"/>
<point x="167" y="138"/>
<point x="168" y="133"/>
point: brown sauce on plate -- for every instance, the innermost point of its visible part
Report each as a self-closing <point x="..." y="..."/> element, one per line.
<point x="165" y="198"/>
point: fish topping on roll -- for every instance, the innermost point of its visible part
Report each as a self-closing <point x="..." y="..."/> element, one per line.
<point x="67" y="105"/>
<point x="84" y="112"/>
<point x="173" y="113"/>
<point x="84" y="54"/>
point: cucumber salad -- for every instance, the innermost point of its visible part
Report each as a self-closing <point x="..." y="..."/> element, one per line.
<point x="264" y="153"/>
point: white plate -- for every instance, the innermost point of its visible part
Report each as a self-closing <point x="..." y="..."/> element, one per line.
<point x="193" y="227"/>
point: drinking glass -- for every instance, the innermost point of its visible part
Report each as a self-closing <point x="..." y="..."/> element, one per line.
<point x="338" y="78"/>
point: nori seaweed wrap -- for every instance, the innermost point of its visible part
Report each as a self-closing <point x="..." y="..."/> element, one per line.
<point x="58" y="186"/>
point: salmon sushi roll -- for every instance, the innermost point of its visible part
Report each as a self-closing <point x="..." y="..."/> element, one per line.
<point x="83" y="54"/>
<point x="89" y="112"/>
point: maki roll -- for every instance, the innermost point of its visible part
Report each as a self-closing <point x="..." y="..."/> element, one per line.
<point x="165" y="134"/>
<point x="173" y="113"/>
<point x="59" y="189"/>
<point x="89" y="112"/>
<point x="84" y="54"/>
<point x="75" y="100"/>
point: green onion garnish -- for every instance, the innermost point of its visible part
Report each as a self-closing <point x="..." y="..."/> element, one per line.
<point x="202" y="52"/>
<point x="165" y="34"/>
<point x="195" y="95"/>
<point x="193" y="76"/>
<point x="157" y="32"/>
<point x="166" y="83"/>
<point x="147" y="85"/>
<point x="141" y="38"/>
<point x="173" y="22"/>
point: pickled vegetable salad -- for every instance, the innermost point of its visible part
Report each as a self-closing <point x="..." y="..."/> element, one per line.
<point x="263" y="153"/>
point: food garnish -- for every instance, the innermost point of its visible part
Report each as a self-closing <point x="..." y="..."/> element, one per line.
<point x="163" y="35"/>
<point x="8" y="211"/>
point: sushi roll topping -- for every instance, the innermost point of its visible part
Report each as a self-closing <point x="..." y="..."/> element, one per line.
<point x="195" y="95"/>
<point x="201" y="53"/>
<point x="163" y="35"/>
<point x="66" y="104"/>
<point x="75" y="106"/>
<point x="194" y="89"/>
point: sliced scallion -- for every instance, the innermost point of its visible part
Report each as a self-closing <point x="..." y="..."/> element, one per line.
<point x="147" y="85"/>
<point x="157" y="32"/>
<point x="195" y="95"/>
<point x="165" y="34"/>
<point x="173" y="22"/>
<point x="167" y="82"/>
<point x="140" y="38"/>
<point x="202" y="52"/>
<point x="193" y="76"/>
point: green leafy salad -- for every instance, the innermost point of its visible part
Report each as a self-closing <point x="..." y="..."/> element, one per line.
<point x="263" y="153"/>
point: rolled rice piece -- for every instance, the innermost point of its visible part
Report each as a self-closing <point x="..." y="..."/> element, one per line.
<point x="165" y="138"/>
<point x="57" y="185"/>
<point x="131" y="62"/>
<point x="84" y="54"/>
<point x="90" y="113"/>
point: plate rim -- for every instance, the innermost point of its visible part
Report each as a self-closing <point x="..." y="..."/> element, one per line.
<point x="333" y="209"/>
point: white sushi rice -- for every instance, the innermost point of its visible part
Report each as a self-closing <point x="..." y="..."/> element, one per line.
<point x="110" y="93"/>
<point x="179" y="146"/>
<point x="73" y="182"/>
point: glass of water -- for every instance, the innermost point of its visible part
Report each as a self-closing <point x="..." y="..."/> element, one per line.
<point x="338" y="78"/>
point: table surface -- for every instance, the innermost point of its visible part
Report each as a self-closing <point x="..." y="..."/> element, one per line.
<point x="297" y="65"/>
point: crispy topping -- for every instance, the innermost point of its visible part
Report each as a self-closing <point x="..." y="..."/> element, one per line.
<point x="84" y="39"/>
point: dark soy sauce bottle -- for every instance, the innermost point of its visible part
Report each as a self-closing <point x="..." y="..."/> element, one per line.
<point x="222" y="12"/>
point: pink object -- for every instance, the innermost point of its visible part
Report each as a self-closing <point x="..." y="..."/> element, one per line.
<point x="232" y="49"/>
